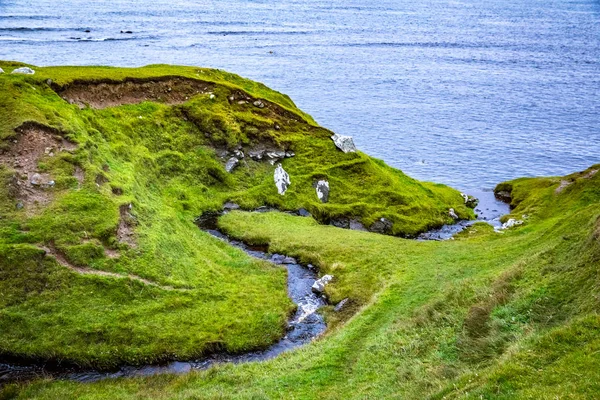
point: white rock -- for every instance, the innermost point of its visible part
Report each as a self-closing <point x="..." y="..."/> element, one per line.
<point x="36" y="180"/>
<point x="322" y="188"/>
<point x="282" y="179"/>
<point x="231" y="164"/>
<point x="23" y="70"/>
<point x="319" y="285"/>
<point x="344" y="143"/>
<point x="511" y="222"/>
<point x="1" y="71"/>
<point x="452" y="213"/>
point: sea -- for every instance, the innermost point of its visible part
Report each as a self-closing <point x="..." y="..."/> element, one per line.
<point x="468" y="93"/>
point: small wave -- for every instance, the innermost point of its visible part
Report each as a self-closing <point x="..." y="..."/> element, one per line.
<point x="108" y="39"/>
<point x="38" y="29"/>
<point x="225" y="33"/>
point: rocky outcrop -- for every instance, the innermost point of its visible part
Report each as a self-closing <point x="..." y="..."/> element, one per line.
<point x="322" y="188"/>
<point x="24" y="71"/>
<point x="470" y="201"/>
<point x="319" y="285"/>
<point x="282" y="180"/>
<point x="344" y="143"/>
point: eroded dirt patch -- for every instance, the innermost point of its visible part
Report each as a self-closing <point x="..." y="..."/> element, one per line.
<point x="127" y="222"/>
<point x="33" y="142"/>
<point x="60" y="258"/>
<point x="174" y="90"/>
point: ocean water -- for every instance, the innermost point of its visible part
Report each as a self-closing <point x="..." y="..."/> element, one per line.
<point x="463" y="92"/>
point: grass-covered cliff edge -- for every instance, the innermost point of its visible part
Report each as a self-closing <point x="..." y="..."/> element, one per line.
<point x="103" y="171"/>
<point x="487" y="315"/>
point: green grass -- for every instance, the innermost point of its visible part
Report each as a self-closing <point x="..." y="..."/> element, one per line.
<point x="163" y="161"/>
<point x="489" y="315"/>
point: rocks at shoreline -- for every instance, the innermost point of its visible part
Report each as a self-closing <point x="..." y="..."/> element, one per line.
<point x="470" y="201"/>
<point x="344" y="143"/>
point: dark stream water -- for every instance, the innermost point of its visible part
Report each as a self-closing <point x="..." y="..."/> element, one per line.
<point x="305" y="325"/>
<point x="464" y="92"/>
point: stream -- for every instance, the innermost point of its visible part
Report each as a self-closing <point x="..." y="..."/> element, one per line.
<point x="305" y="325"/>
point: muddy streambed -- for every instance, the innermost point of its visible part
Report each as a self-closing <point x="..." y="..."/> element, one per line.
<point x="305" y="325"/>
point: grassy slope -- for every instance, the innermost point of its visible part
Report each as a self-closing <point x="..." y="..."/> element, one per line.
<point x="489" y="315"/>
<point x="165" y="166"/>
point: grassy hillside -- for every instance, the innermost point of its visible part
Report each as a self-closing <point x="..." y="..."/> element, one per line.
<point x="487" y="315"/>
<point x="103" y="171"/>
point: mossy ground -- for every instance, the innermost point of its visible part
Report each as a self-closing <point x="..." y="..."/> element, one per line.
<point x="151" y="168"/>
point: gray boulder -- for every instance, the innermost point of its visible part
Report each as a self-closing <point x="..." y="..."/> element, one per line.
<point x="259" y="104"/>
<point x="231" y="164"/>
<point x="319" y="285"/>
<point x="282" y="179"/>
<point x="356" y="225"/>
<point x="452" y="213"/>
<point x="303" y="212"/>
<point x="230" y="206"/>
<point x="340" y="305"/>
<point x="322" y="188"/>
<point x="344" y="143"/>
<point x="383" y="225"/>
<point x="23" y="70"/>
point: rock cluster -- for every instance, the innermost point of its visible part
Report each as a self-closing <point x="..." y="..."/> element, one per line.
<point x="259" y="153"/>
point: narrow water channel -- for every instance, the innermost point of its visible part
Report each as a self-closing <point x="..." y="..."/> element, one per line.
<point x="305" y="325"/>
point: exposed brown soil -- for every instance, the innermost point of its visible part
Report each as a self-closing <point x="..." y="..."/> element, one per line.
<point x="566" y="183"/>
<point x="125" y="230"/>
<point x="563" y="185"/>
<point x="171" y="90"/>
<point x="33" y="143"/>
<point x="88" y="271"/>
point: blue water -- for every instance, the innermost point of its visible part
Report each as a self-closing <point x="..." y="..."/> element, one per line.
<point x="468" y="93"/>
